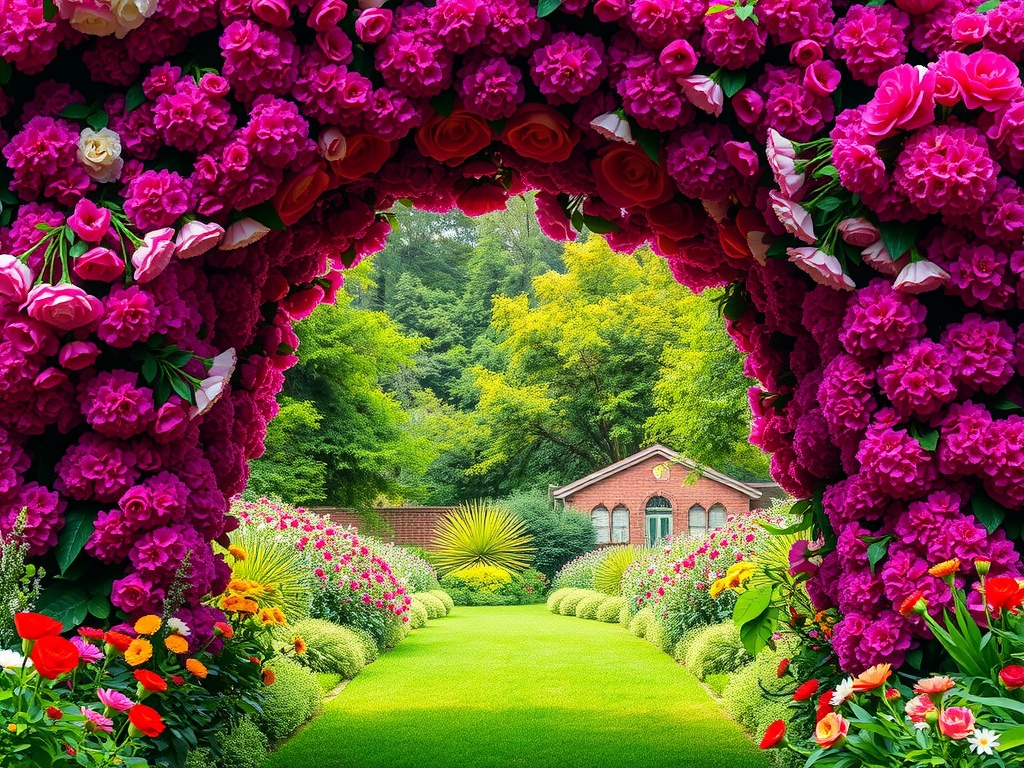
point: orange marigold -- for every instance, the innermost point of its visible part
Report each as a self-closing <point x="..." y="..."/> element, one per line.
<point x="269" y="678"/>
<point x="279" y="616"/>
<point x="945" y="568"/>
<point x="148" y="625"/>
<point x="872" y="677"/>
<point x="238" y="552"/>
<point x="197" y="668"/>
<point x="910" y="605"/>
<point x="176" y="644"/>
<point x="300" y="645"/>
<point x="139" y="652"/>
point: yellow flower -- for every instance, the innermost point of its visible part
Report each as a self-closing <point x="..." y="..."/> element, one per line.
<point x="717" y="588"/>
<point x="300" y="645"/>
<point x="238" y="553"/>
<point x="176" y="644"/>
<point x="197" y="668"/>
<point x="139" y="652"/>
<point x="148" y="625"/>
<point x="12" y="728"/>
<point x="266" y="616"/>
<point x="945" y="568"/>
<point x="236" y="604"/>
<point x="279" y="616"/>
<point x="238" y="586"/>
<point x="738" y="574"/>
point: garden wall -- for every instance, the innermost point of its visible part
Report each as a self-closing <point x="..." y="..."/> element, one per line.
<point x="401" y="525"/>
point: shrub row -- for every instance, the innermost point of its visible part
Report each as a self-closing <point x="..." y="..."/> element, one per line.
<point x="586" y="604"/>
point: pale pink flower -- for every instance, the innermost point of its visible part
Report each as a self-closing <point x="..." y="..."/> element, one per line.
<point x="223" y="365"/>
<point x="779" y="146"/>
<point x="824" y="268"/>
<point x="859" y="232"/>
<point x="209" y="392"/>
<point x="794" y="217"/>
<point x="918" y="707"/>
<point x="113" y="699"/>
<point x="196" y="238"/>
<point x="757" y="242"/>
<point x="878" y="256"/>
<point x="920" y="277"/>
<point x="15" y="277"/>
<point x="97" y="722"/>
<point x="613" y="127"/>
<point x="332" y="144"/>
<point x="153" y="256"/>
<point x="704" y="93"/>
<point x="242" y="233"/>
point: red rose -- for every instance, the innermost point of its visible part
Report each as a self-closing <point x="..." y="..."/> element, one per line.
<point x="151" y="681"/>
<point x="364" y="154"/>
<point x="454" y="138"/>
<point x="476" y="199"/>
<point x="824" y="705"/>
<point x="541" y="133"/>
<point x="677" y="219"/>
<point x="626" y="176"/>
<point x="117" y="640"/>
<point x="782" y="668"/>
<point x="299" y="194"/>
<point x="54" y="656"/>
<point x="774" y="735"/>
<point x="805" y="691"/>
<point x="54" y="713"/>
<point x="33" y="626"/>
<point x="1003" y="592"/>
<point x="732" y="241"/>
<point x="1012" y="676"/>
<point x="146" y="720"/>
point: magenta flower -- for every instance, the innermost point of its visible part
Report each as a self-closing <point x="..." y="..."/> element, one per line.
<point x="113" y="699"/>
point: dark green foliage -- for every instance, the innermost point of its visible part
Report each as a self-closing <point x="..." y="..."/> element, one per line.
<point x="244" y="747"/>
<point x="559" y="535"/>
<point x="294" y="697"/>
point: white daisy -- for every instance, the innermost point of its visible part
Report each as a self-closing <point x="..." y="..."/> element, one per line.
<point x="842" y="692"/>
<point x="983" y="741"/>
<point x="179" y="626"/>
<point x="12" y="660"/>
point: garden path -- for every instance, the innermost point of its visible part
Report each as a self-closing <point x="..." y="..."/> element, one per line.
<point x="518" y="686"/>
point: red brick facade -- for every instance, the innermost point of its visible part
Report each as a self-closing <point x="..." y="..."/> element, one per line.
<point x="634" y="485"/>
<point x="402" y="525"/>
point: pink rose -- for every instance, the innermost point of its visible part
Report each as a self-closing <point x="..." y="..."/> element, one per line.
<point x="956" y="722"/>
<point x="805" y="53"/>
<point x="172" y="420"/>
<point x="987" y="80"/>
<point x="242" y="233"/>
<point x="31" y="336"/>
<point x="277" y="13"/>
<point x="704" y="93"/>
<point x="196" y="238"/>
<point x="678" y="58"/>
<point x="100" y="264"/>
<point x="920" y="277"/>
<point x="824" y="268"/>
<point x="918" y="708"/>
<point x="859" y="232"/>
<point x="64" y="306"/>
<point x="89" y="221"/>
<point x="748" y="105"/>
<point x="335" y="45"/>
<point x="822" y="78"/>
<point x="76" y="355"/>
<point x="373" y="24"/>
<point x="214" y="85"/>
<point x="878" y="256"/>
<point x="326" y="14"/>
<point x="947" y="90"/>
<point x="301" y="304"/>
<point x="15" y="277"/>
<point x="794" y="217"/>
<point x="969" y="28"/>
<point x="742" y="157"/>
<point x="150" y="258"/>
<point x="905" y="98"/>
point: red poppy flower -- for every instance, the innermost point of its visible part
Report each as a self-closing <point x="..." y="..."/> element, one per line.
<point x="805" y="691"/>
<point x="774" y="735"/>
<point x="151" y="681"/>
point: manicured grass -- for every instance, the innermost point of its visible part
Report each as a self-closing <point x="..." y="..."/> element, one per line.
<point x="518" y="686"/>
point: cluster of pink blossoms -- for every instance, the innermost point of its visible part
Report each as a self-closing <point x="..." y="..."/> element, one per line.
<point x="224" y="160"/>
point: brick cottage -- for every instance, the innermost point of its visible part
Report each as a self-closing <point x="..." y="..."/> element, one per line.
<point x="653" y="494"/>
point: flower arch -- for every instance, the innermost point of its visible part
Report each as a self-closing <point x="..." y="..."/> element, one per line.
<point x="183" y="179"/>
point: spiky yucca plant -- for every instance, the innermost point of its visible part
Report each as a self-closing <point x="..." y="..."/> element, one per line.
<point x="608" y="573"/>
<point x="276" y="565"/>
<point x="482" y="533"/>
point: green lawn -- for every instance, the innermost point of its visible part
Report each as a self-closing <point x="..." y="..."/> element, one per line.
<point x="518" y="686"/>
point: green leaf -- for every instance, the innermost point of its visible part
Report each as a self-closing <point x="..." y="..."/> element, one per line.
<point x="547" y="7"/>
<point x="717" y="8"/>
<point x="99" y="606"/>
<point x="444" y="104"/>
<point x="392" y="220"/>
<point x="987" y="512"/>
<point x="181" y="388"/>
<point x="78" y="249"/>
<point x="149" y="369"/>
<point x="755" y="636"/>
<point x="78" y="527"/>
<point x="348" y="258"/>
<point x="876" y="551"/>
<point x="735" y="307"/>
<point x="5" y="72"/>
<point x="267" y="215"/>
<point x="64" y="602"/>
<point x="1003" y="403"/>
<point x="899" y="236"/>
<point x="76" y="111"/>
<point x="49" y="10"/>
<point x="98" y="120"/>
<point x="929" y="439"/>
<point x="751" y="604"/>
<point x="732" y="80"/>
<point x="649" y="141"/>
<point x="988" y="6"/>
<point x="134" y="98"/>
<point x="406" y="202"/>
<point x="828" y="204"/>
<point x="826" y="170"/>
<point x="600" y="226"/>
<point x="180" y="358"/>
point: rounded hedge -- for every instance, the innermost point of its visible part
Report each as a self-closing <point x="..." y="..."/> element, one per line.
<point x="367" y="643"/>
<point x="245" y="746"/>
<point x="556" y="597"/>
<point x="626" y="614"/>
<point x="713" y="650"/>
<point x="435" y="608"/>
<point x="587" y="609"/>
<point x="639" y="623"/>
<point x="294" y="697"/>
<point x="568" y="605"/>
<point x="657" y="635"/>
<point x="330" y="648"/>
<point x="609" y="610"/>
<point x="417" y="614"/>
<point x="445" y="598"/>
<point x="395" y="631"/>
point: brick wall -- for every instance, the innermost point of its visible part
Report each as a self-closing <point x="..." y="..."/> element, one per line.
<point x="634" y="487"/>
<point x="402" y="525"/>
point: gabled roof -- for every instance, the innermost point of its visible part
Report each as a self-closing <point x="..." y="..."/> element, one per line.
<point x="655" y="450"/>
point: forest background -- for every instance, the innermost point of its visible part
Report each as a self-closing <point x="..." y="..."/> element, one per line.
<point x="476" y="358"/>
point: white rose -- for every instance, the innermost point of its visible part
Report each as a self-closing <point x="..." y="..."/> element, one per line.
<point x="131" y="13"/>
<point x="100" y="153"/>
<point x="90" y="17"/>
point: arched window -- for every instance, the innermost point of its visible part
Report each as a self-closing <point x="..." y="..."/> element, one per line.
<point x="717" y="516"/>
<point x="599" y="518"/>
<point x="620" y="525"/>
<point x="658" y="519"/>
<point x="698" y="520"/>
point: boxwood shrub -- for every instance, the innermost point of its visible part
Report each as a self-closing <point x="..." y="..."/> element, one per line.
<point x="609" y="610"/>
<point x="639" y="623"/>
<point x="713" y="650"/>
<point x="568" y="605"/>
<point x="435" y="608"/>
<point x="294" y="697"/>
<point x="245" y="746"/>
<point x="587" y="609"/>
<point x="556" y="597"/>
<point x="445" y="598"/>
<point x="330" y="648"/>
<point x="417" y="614"/>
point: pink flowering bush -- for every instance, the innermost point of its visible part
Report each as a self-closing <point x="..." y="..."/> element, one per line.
<point x="851" y="171"/>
